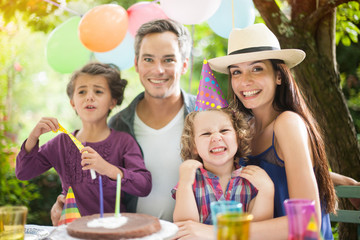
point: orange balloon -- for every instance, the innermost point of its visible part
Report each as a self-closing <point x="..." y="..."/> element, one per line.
<point x="103" y="27"/>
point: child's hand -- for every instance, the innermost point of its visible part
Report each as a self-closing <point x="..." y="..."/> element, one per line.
<point x="46" y="124"/>
<point x="92" y="160"/>
<point x="187" y="171"/>
<point x="257" y="177"/>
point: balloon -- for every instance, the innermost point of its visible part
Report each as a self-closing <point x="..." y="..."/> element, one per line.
<point x="122" y="56"/>
<point x="64" y="51"/>
<point x="189" y="11"/>
<point x="143" y="12"/>
<point x="17" y="67"/>
<point x="222" y="21"/>
<point x="103" y="27"/>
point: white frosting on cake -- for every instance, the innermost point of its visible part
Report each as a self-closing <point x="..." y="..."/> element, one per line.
<point x="107" y="222"/>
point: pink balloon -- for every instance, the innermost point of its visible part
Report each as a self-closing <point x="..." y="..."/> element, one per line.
<point x="190" y="11"/>
<point x="143" y="12"/>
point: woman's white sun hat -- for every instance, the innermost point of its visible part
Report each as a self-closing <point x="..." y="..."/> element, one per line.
<point x="253" y="43"/>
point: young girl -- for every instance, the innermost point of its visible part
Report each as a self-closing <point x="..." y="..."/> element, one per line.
<point x="94" y="91"/>
<point x="212" y="141"/>
<point x="287" y="142"/>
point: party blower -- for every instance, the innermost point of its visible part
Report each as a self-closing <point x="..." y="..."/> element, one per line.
<point x="78" y="145"/>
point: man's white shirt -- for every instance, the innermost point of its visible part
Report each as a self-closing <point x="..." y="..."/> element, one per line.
<point x="161" y="149"/>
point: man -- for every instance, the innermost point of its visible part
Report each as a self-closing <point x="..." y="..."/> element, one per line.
<point x="156" y="116"/>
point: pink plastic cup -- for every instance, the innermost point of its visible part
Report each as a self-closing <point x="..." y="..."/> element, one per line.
<point x="301" y="219"/>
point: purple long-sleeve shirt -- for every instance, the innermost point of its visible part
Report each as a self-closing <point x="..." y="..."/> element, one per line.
<point x="119" y="149"/>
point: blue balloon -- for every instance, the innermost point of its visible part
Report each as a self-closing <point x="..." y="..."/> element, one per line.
<point x="222" y="21"/>
<point x="122" y="56"/>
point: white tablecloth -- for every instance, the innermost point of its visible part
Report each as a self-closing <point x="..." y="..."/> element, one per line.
<point x="37" y="232"/>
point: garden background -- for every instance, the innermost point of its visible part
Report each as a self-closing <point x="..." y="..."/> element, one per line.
<point x="31" y="87"/>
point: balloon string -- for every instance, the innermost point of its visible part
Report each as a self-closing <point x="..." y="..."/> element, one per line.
<point x="233" y="21"/>
<point x="61" y="7"/>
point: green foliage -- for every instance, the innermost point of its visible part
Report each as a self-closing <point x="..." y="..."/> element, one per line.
<point x="12" y="191"/>
<point x="348" y="56"/>
<point x="37" y="13"/>
<point x="335" y="230"/>
<point x="206" y="45"/>
<point x="347" y="19"/>
<point x="49" y="187"/>
<point x="33" y="194"/>
<point x="38" y="194"/>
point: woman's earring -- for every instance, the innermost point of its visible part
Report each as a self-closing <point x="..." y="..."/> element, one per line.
<point x="278" y="81"/>
<point x="278" y="78"/>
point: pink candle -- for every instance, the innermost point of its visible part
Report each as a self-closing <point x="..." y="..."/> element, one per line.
<point x="101" y="197"/>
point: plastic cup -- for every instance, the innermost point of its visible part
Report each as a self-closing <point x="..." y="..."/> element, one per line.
<point x="233" y="226"/>
<point x="12" y="222"/>
<point x="224" y="207"/>
<point x="302" y="219"/>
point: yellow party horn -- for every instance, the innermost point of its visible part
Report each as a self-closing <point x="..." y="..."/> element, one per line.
<point x="78" y="145"/>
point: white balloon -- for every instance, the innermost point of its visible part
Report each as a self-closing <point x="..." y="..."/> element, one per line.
<point x="190" y="11"/>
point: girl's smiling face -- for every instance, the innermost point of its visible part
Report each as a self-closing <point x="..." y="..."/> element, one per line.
<point x="254" y="83"/>
<point x="215" y="138"/>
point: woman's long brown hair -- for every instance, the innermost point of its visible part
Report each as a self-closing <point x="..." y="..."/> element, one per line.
<point x="289" y="98"/>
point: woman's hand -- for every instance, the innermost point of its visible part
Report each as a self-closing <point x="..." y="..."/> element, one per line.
<point x="339" y="179"/>
<point x="257" y="177"/>
<point x="262" y="206"/>
<point x="194" y="230"/>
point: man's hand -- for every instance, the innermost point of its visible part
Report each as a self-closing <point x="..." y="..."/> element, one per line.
<point x="57" y="209"/>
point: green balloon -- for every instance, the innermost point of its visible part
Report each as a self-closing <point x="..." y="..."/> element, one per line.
<point x="64" y="51"/>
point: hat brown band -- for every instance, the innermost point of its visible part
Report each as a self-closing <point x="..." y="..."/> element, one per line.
<point x="253" y="49"/>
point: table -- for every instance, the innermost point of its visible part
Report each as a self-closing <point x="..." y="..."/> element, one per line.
<point x="38" y="232"/>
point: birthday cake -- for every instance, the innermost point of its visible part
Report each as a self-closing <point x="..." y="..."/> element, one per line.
<point x="131" y="225"/>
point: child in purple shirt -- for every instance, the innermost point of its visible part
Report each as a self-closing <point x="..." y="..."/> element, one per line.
<point x="94" y="91"/>
<point x="212" y="141"/>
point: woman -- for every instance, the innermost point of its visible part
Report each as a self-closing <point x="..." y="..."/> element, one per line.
<point x="287" y="143"/>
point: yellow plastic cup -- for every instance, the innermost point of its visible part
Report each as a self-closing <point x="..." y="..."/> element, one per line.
<point x="12" y="222"/>
<point x="233" y="226"/>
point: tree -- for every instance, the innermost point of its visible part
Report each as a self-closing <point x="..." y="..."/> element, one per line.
<point x="311" y="27"/>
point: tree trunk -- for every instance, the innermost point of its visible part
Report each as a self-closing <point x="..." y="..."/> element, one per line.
<point x="312" y="29"/>
<point x="330" y="110"/>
